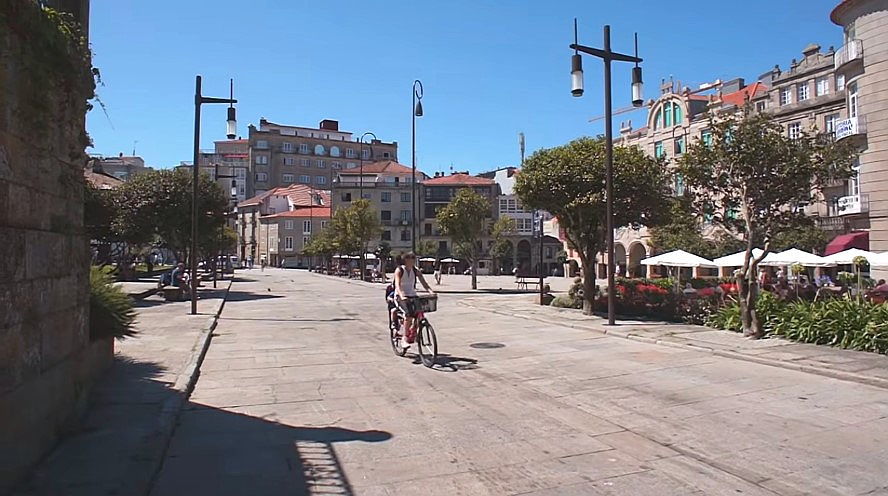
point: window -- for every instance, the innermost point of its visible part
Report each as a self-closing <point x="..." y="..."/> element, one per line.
<point x="706" y="138"/>
<point x="365" y="154"/>
<point x="287" y="147"/>
<point x="305" y="241"/>
<point x="657" y="119"/>
<point x="667" y="115"/>
<point x="287" y="178"/>
<point x="405" y="234"/>
<point x="304" y="162"/>
<point x="367" y="195"/>
<point x="802" y="90"/>
<point x="350" y="153"/>
<point x="427" y="229"/>
<point x="320" y="150"/>
<point x="854" y="181"/>
<point x="334" y="151"/>
<point x="320" y="179"/>
<point x="761" y="105"/>
<point x="523" y="225"/>
<point x="405" y="197"/>
<point x="549" y="252"/>
<point x="346" y="197"/>
<point x="261" y="177"/>
<point x="321" y="164"/>
<point x="794" y="130"/>
<point x="336" y="165"/>
<point x="405" y="215"/>
<point x="303" y="148"/>
<point x="679" y="146"/>
<point x="679" y="185"/>
<point x="351" y="165"/>
<point x="852" y="100"/>
<point x="822" y="86"/>
<point x="262" y="144"/>
<point x="676" y="112"/>
<point x="288" y="224"/>
<point x="830" y="122"/>
<point x="323" y="224"/>
<point x="386" y="235"/>
<point x="262" y="159"/>
<point x="306" y="227"/>
<point x="785" y="96"/>
<point x="305" y="179"/>
<point x="386" y="197"/>
<point x="659" y="151"/>
<point x="840" y="82"/>
<point x="289" y="161"/>
<point x="288" y="243"/>
<point x="385" y="214"/>
<point x="386" y="155"/>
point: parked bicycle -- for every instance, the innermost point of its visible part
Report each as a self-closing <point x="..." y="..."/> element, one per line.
<point x="422" y="330"/>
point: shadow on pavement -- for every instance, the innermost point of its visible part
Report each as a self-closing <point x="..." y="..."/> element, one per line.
<point x="335" y="319"/>
<point x="449" y="363"/>
<point x="245" y="296"/>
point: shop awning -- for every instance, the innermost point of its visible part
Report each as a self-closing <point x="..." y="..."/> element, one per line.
<point x="843" y="242"/>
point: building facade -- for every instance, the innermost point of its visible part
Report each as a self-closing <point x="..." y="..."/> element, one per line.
<point x="283" y="236"/>
<point x="281" y="155"/>
<point x="862" y="63"/>
<point x="122" y="166"/>
<point x="388" y="186"/>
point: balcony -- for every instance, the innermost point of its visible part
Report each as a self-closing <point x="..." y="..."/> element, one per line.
<point x="852" y="126"/>
<point x="853" y="204"/>
<point x="851" y="52"/>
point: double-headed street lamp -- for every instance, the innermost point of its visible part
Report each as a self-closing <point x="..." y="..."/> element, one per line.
<point x="231" y="131"/>
<point x="416" y="111"/>
<point x="576" y="77"/>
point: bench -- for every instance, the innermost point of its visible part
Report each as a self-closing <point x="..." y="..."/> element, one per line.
<point x="524" y="282"/>
<point x="173" y="293"/>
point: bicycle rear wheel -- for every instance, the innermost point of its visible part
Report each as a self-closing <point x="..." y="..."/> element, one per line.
<point x="395" y="339"/>
<point x="428" y="343"/>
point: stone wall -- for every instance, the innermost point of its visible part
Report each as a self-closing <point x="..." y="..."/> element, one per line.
<point x="47" y="361"/>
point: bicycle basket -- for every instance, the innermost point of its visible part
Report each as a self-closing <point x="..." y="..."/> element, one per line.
<point x="428" y="303"/>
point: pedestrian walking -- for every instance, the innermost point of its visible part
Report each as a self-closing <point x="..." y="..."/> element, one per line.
<point x="438" y="273"/>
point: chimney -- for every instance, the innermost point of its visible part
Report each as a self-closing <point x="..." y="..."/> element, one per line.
<point x="120" y="155"/>
<point x="329" y="125"/>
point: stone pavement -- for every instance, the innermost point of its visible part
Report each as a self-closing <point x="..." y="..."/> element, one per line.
<point x="118" y="447"/>
<point x="868" y="368"/>
<point x="301" y="394"/>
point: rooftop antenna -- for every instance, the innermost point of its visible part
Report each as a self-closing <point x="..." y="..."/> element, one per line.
<point x="134" y="147"/>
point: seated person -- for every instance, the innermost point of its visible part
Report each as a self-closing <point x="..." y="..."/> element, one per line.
<point x="881" y="287"/>
<point x="392" y="305"/>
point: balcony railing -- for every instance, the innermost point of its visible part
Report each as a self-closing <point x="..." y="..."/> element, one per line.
<point x="851" y="126"/>
<point x="852" y="51"/>
<point x="831" y="223"/>
<point x="853" y="204"/>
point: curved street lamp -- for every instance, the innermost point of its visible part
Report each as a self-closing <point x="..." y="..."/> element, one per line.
<point x="370" y="145"/>
<point x="416" y="112"/>
<point x="576" y="77"/>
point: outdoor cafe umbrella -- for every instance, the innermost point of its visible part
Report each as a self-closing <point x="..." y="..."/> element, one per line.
<point x="879" y="259"/>
<point x="736" y="259"/>
<point x="847" y="257"/>
<point x="427" y="259"/>
<point x="450" y="260"/>
<point x="794" y="256"/>
<point x="678" y="258"/>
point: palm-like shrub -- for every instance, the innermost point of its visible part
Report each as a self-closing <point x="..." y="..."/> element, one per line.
<point x="111" y="311"/>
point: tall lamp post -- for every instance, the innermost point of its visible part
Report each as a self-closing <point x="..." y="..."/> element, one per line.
<point x="576" y="75"/>
<point x="416" y="111"/>
<point x="218" y="176"/>
<point x="361" y="189"/>
<point x="231" y="131"/>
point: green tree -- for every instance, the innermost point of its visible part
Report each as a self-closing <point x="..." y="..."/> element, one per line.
<point x="501" y="247"/>
<point x="354" y="227"/>
<point x="569" y="182"/>
<point x="159" y="203"/>
<point x="753" y="179"/>
<point x="426" y="248"/>
<point x="804" y="235"/>
<point x="464" y="220"/>
<point x="683" y="231"/>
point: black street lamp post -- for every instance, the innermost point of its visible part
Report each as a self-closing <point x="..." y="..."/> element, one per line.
<point x="416" y="111"/>
<point x="217" y="176"/>
<point x="361" y="189"/>
<point x="607" y="56"/>
<point x="231" y="124"/>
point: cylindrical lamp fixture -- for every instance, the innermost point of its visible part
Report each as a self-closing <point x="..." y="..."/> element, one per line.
<point x="576" y="75"/>
<point x="417" y="111"/>
<point x="637" y="87"/>
<point x="232" y="123"/>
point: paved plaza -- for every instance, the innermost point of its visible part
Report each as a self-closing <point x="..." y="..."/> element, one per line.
<point x="301" y="394"/>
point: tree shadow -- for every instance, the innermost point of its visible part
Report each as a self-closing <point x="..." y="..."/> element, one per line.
<point x="122" y="446"/>
<point x="334" y="319"/>
<point x="245" y="296"/>
<point x="448" y="363"/>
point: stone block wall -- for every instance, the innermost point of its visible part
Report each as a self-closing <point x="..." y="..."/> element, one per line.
<point x="47" y="362"/>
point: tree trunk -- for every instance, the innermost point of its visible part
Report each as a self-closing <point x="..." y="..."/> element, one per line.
<point x="588" y="287"/>
<point x="474" y="274"/>
<point x="748" y="291"/>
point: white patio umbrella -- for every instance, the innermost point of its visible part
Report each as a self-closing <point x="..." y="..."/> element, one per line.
<point x="450" y="260"/>
<point x="847" y="257"/>
<point x="427" y="259"/>
<point x="736" y="259"/>
<point x="369" y="256"/>
<point x="678" y="258"/>
<point x="879" y="259"/>
<point x="794" y="256"/>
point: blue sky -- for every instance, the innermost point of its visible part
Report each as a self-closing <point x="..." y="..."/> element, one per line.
<point x="490" y="68"/>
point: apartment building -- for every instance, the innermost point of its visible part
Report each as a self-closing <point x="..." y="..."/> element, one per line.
<point x="258" y="238"/>
<point x="281" y="155"/>
<point x="123" y="167"/>
<point x="388" y="186"/>
<point x="862" y="63"/>
<point x="284" y="235"/>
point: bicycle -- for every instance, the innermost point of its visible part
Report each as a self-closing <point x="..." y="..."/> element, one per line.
<point x="426" y="340"/>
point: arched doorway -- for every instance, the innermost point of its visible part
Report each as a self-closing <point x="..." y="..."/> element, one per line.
<point x="637" y="253"/>
<point x="619" y="259"/>
<point x="524" y="260"/>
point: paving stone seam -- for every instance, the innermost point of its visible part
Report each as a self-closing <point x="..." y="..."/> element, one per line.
<point x="811" y="369"/>
<point x="173" y="406"/>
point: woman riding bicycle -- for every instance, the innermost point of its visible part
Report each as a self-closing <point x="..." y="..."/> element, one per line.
<point x="406" y="276"/>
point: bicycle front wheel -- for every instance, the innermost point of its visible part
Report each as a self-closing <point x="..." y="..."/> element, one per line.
<point x="428" y="343"/>
<point x="396" y="338"/>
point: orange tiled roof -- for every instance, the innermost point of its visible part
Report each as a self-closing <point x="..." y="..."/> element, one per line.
<point x="306" y="212"/>
<point x="739" y="98"/>
<point x="458" y="180"/>
<point x="389" y="166"/>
